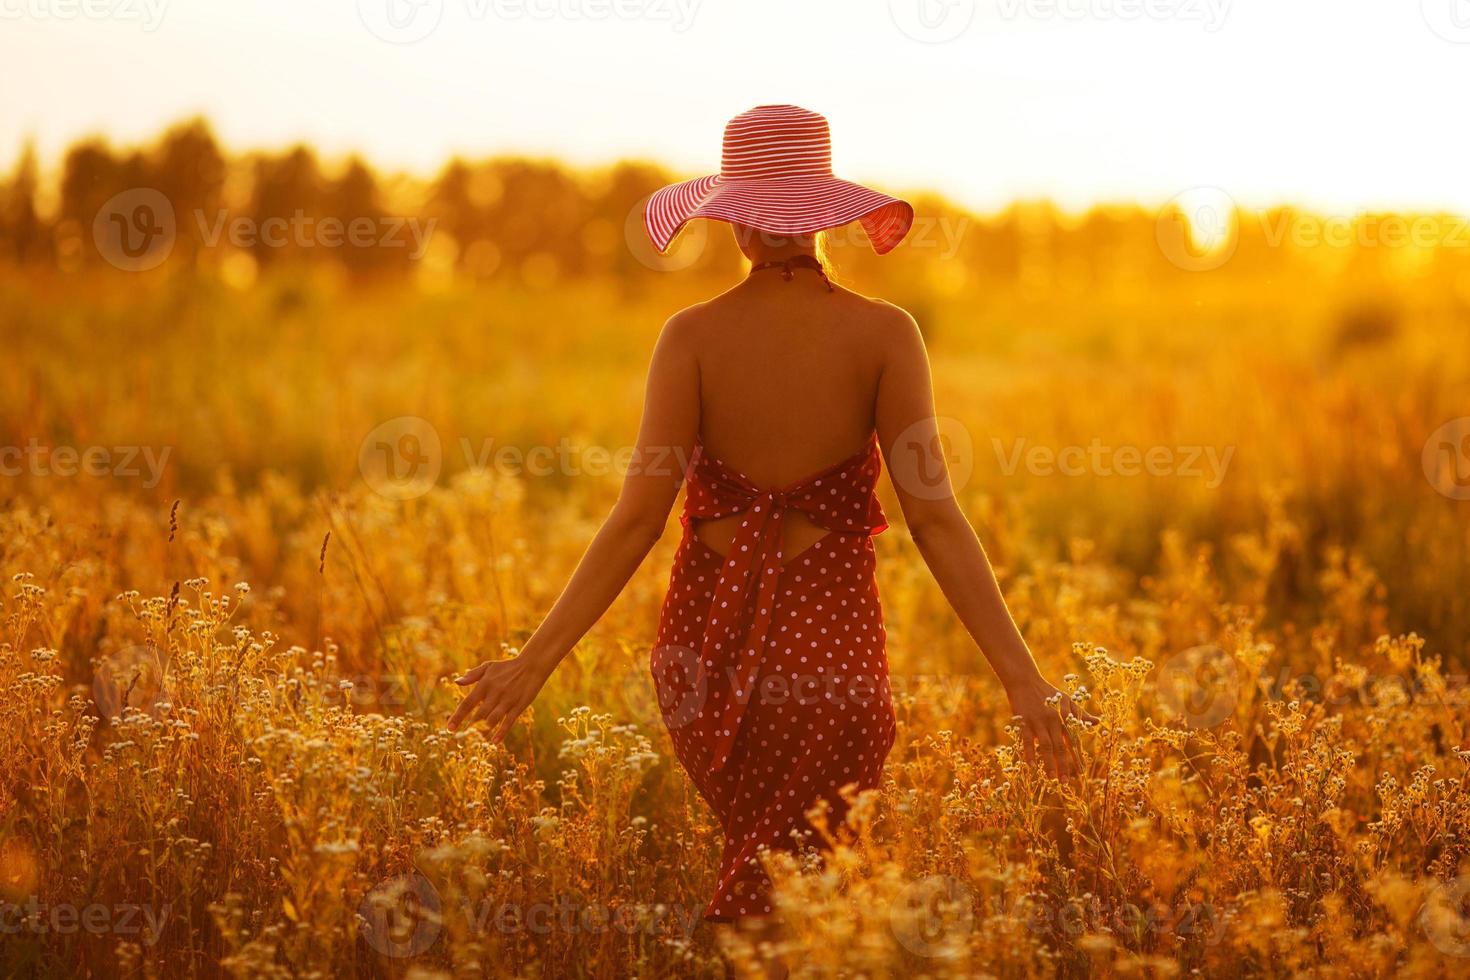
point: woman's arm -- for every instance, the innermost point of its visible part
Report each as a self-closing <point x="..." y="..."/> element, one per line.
<point x="916" y="461"/>
<point x="504" y="688"/>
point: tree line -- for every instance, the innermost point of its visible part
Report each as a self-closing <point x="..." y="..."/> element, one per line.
<point x="541" y="222"/>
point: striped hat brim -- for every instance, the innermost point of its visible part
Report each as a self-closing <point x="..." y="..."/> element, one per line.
<point x="779" y="206"/>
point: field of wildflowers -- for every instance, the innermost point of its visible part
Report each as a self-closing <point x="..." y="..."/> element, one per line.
<point x="226" y="640"/>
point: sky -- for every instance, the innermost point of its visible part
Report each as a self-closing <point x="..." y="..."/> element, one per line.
<point x="1340" y="105"/>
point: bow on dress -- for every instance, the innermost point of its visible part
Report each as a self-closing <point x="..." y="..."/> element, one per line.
<point x="838" y="499"/>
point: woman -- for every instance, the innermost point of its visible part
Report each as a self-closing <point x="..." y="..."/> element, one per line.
<point x="769" y="659"/>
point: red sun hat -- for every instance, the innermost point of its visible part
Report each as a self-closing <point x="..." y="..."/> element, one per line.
<point x="776" y="176"/>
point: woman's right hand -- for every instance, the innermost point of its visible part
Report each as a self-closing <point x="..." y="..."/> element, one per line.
<point x="1039" y="708"/>
<point x="503" y="690"/>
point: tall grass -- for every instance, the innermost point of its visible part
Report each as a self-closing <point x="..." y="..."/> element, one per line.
<point x="228" y="713"/>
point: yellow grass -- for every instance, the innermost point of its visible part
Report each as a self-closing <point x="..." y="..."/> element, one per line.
<point x="264" y="768"/>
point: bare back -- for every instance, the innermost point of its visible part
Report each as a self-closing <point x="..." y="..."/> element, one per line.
<point x="788" y="383"/>
<point x="781" y="378"/>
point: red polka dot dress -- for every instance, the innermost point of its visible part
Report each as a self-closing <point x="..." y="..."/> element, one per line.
<point x="772" y="675"/>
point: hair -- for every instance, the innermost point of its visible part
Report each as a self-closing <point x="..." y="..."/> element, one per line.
<point x="824" y="253"/>
<point x="822" y="245"/>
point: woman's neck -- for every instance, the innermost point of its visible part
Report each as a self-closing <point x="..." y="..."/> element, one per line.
<point x="788" y="265"/>
<point x="763" y="252"/>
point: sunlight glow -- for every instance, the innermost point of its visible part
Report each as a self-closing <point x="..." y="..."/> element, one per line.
<point x="1080" y="101"/>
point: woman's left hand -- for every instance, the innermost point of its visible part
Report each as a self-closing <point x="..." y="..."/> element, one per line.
<point x="503" y="689"/>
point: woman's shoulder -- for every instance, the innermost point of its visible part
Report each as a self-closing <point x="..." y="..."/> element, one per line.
<point x="872" y="323"/>
<point x="885" y="324"/>
<point x="880" y="311"/>
<point x="689" y="320"/>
